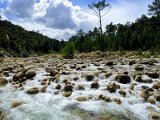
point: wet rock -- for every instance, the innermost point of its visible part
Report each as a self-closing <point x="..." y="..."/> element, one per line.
<point x="155" y="115"/>
<point x="151" y="100"/>
<point x="153" y="74"/>
<point x="80" y="87"/>
<point x="76" y="78"/>
<point x="122" y="92"/>
<point x="157" y="96"/>
<point x="95" y="85"/>
<point x="112" y="87"/>
<point x="117" y="100"/>
<point x="30" y="73"/>
<point x="107" y="99"/>
<point x="26" y="68"/>
<point x="43" y="89"/>
<point x="147" y="80"/>
<point x="58" y="87"/>
<point x="145" y="94"/>
<point x="81" y="98"/>
<point x="53" y="72"/>
<point x="18" y="76"/>
<point x="67" y="94"/>
<point x="122" y="78"/>
<point x="3" y="81"/>
<point x="68" y="88"/>
<point x="132" y="62"/>
<point x="33" y="90"/>
<point x="110" y="63"/>
<point x="138" y="78"/>
<point x="156" y="85"/>
<point x="8" y="68"/>
<point x="107" y="74"/>
<point x="16" y="104"/>
<point x="73" y="66"/>
<point x="89" y="77"/>
<point x="139" y="67"/>
<point x="2" y="115"/>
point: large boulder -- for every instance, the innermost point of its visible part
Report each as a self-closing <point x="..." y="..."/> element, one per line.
<point x="33" y="90"/>
<point x="30" y="73"/>
<point x="3" y="81"/>
<point x="123" y="78"/>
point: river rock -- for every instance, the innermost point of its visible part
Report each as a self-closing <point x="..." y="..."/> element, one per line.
<point x="80" y="87"/>
<point x="138" y="78"/>
<point x="16" y="104"/>
<point x="18" y="76"/>
<point x="30" y="73"/>
<point x="153" y="74"/>
<point x="3" y="81"/>
<point x="53" y="72"/>
<point x="145" y="94"/>
<point x="132" y="62"/>
<point x="58" y="87"/>
<point x="151" y="100"/>
<point x="112" y="87"/>
<point x="122" y="78"/>
<point x="81" y="98"/>
<point x="67" y="94"/>
<point x="73" y="66"/>
<point x="33" y="90"/>
<point x="110" y="63"/>
<point x="139" y="67"/>
<point x="122" y="92"/>
<point x="95" y="85"/>
<point x="117" y="100"/>
<point x="43" y="89"/>
<point x="2" y="115"/>
<point x="68" y="88"/>
<point x="156" y="85"/>
<point x="89" y="77"/>
<point x="157" y="96"/>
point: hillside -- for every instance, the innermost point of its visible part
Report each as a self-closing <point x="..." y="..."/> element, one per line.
<point x="19" y="42"/>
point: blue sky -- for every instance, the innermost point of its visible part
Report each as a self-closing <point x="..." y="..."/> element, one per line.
<point x="63" y="18"/>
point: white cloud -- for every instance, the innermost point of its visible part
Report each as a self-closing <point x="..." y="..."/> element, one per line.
<point x="61" y="19"/>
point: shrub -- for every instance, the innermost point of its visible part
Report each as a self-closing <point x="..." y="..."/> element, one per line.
<point x="68" y="51"/>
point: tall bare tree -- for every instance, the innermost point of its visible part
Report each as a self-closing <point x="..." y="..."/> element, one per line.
<point x="97" y="9"/>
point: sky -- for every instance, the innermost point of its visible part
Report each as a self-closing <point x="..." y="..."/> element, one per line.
<point x="61" y="19"/>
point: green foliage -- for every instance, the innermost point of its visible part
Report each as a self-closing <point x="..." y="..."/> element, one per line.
<point x="15" y="40"/>
<point x="142" y="35"/>
<point x="154" y="9"/>
<point x="68" y="51"/>
<point x="146" y="54"/>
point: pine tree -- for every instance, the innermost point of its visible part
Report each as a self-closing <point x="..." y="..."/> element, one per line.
<point x="154" y="9"/>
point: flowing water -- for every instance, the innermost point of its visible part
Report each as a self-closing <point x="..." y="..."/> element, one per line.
<point x="48" y="106"/>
